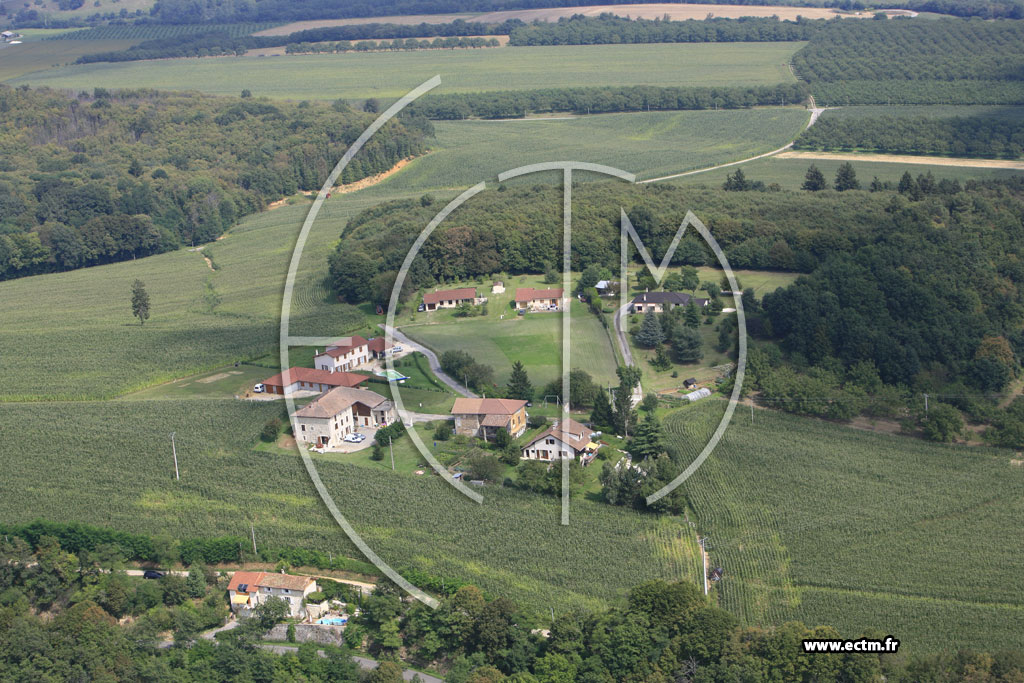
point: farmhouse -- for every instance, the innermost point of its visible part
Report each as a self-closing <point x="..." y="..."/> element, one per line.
<point x="343" y="410"/>
<point x="451" y="298"/>
<point x="659" y="302"/>
<point x="348" y="353"/>
<point x="530" y="299"/>
<point x="247" y="590"/>
<point x="310" y="379"/>
<point x="565" y="439"/>
<point x="485" y="416"/>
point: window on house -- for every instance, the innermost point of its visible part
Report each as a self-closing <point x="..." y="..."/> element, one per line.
<point x="303" y="427"/>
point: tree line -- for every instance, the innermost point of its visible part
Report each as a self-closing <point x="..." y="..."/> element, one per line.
<point x="113" y="176"/>
<point x="390" y="45"/>
<point x="599" y="100"/>
<point x="991" y="137"/>
<point x="609" y="28"/>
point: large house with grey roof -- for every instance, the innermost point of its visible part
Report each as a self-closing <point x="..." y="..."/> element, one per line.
<point x="485" y="416"/>
<point x="325" y="421"/>
<point x="659" y="302"/>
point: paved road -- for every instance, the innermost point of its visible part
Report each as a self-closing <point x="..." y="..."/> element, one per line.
<point x="364" y="663"/>
<point x="620" y="334"/>
<point x="435" y="364"/>
<point x="815" y="113"/>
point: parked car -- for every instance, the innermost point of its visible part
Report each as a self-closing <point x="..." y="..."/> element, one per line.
<point x="259" y="388"/>
<point x="421" y="308"/>
<point x="352" y="438"/>
<point x="152" y="574"/>
<point x="360" y="437"/>
<point x="396" y="349"/>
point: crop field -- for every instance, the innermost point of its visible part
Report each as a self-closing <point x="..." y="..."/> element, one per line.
<point x="874" y="532"/>
<point x="116" y="470"/>
<point x="789" y="173"/>
<point x="391" y="75"/>
<point x="648" y="144"/>
<point x="39" y="55"/>
<point x="935" y="111"/>
<point x="535" y="339"/>
<point x="105" y="352"/>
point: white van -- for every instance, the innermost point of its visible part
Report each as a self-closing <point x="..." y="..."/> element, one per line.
<point x="259" y="388"/>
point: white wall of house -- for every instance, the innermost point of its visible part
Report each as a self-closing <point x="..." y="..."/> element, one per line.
<point x="310" y="429"/>
<point x="548" y="448"/>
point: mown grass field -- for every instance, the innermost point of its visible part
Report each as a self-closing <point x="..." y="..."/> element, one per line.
<point x="115" y="470"/>
<point x="648" y="144"/>
<point x="789" y="173"/>
<point x="535" y="339"/>
<point x="391" y="75"/>
<point x="84" y="343"/>
<point x="826" y="524"/>
<point x="36" y="55"/>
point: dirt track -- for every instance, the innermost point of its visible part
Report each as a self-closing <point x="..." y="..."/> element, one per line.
<point x="906" y="159"/>
<point x="644" y="11"/>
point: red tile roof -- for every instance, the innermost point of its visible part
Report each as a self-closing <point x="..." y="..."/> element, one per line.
<point x="449" y="295"/>
<point x="345" y="345"/>
<point x="333" y="379"/>
<point x="376" y="344"/>
<point x="253" y="580"/>
<point x="531" y="294"/>
<point x="487" y="406"/>
<point x="338" y="399"/>
<point x="576" y="435"/>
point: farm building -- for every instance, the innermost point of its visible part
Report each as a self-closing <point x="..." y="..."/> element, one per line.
<point x="659" y="302"/>
<point x="343" y="410"/>
<point x="485" y="416"/>
<point x="348" y="353"/>
<point x="565" y="439"/>
<point x="451" y="298"/>
<point x="376" y="347"/>
<point x="247" y="590"/>
<point x="530" y="299"/>
<point x="310" y="379"/>
<point x="690" y="383"/>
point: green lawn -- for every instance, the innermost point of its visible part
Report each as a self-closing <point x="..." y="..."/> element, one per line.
<point x="390" y="75"/>
<point x="534" y="339"/>
<point x="648" y="144"/>
<point x="36" y="55"/>
<point x="225" y="382"/>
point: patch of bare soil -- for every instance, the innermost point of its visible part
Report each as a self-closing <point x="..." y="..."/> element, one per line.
<point x="906" y="159"/>
<point x="874" y="424"/>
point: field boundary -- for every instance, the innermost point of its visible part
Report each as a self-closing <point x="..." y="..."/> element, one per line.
<point x="905" y="159"/>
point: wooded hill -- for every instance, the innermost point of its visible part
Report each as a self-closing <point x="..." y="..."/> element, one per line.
<point x="113" y="176"/>
<point x="912" y="282"/>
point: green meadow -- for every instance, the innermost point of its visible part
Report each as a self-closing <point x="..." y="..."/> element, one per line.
<point x="391" y="75"/>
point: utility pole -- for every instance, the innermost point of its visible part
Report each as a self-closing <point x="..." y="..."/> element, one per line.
<point x="392" y="454"/>
<point x="926" y="406"/>
<point x="174" y="451"/>
<point x="704" y="558"/>
<point x="252" y="530"/>
<point x="751" y="413"/>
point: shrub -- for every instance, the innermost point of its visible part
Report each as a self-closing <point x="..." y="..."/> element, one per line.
<point x="270" y="430"/>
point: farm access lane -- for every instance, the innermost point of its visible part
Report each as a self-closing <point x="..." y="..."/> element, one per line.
<point x="435" y="364"/>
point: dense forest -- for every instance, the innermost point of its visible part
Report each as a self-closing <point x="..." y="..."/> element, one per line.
<point x="114" y="176"/>
<point x="608" y="28"/>
<point x="77" y="615"/>
<point x="991" y="137"/>
<point x="906" y="61"/>
<point x="598" y="100"/>
<point x="917" y="281"/>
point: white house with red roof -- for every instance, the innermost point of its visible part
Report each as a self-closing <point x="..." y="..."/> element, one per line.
<point x="348" y="353"/>
<point x="451" y="298"/>
<point x="248" y="590"/>
<point x="565" y="439"/>
<point x="530" y="299"/>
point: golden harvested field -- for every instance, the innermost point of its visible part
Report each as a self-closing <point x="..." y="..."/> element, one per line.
<point x="652" y="10"/>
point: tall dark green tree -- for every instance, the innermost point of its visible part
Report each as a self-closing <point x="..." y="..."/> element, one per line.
<point x="519" y="383"/>
<point x="625" y="415"/>
<point x="846" y="178"/>
<point x="814" y="180"/>
<point x="650" y="334"/>
<point x="140" y="301"/>
<point x="687" y="346"/>
<point x="601" y="414"/>
<point x="692" y="316"/>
